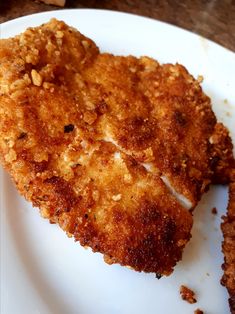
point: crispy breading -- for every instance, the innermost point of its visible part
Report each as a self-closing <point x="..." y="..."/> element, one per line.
<point x="113" y="149"/>
<point x="228" y="246"/>
<point x="222" y="157"/>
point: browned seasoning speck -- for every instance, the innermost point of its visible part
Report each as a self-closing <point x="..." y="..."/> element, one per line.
<point x="68" y="128"/>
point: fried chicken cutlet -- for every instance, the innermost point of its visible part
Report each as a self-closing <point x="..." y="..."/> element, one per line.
<point x="228" y="247"/>
<point x="116" y="150"/>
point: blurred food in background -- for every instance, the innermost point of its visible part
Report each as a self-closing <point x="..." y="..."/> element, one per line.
<point x="59" y="3"/>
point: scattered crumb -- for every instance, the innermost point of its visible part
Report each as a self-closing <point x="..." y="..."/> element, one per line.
<point x="187" y="294"/>
<point x="198" y="311"/>
<point x="207" y="274"/>
<point x="214" y="211"/>
<point x="228" y="114"/>
<point x="158" y="276"/>
<point x="200" y="78"/>
<point x="225" y="101"/>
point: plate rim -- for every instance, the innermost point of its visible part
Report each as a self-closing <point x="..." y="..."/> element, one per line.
<point x="120" y="13"/>
<point x="96" y="10"/>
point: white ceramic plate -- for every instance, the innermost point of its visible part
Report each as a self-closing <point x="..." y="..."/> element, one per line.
<point x="43" y="271"/>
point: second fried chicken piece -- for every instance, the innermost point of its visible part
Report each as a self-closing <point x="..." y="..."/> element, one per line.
<point x="228" y="247"/>
<point x="222" y="160"/>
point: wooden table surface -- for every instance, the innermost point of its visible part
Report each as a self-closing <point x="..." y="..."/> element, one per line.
<point x="213" y="19"/>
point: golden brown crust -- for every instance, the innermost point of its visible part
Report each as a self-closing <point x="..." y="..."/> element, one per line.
<point x="88" y="138"/>
<point x="228" y="246"/>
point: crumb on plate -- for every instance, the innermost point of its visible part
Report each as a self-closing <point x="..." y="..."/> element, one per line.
<point x="214" y="211"/>
<point x="187" y="294"/>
